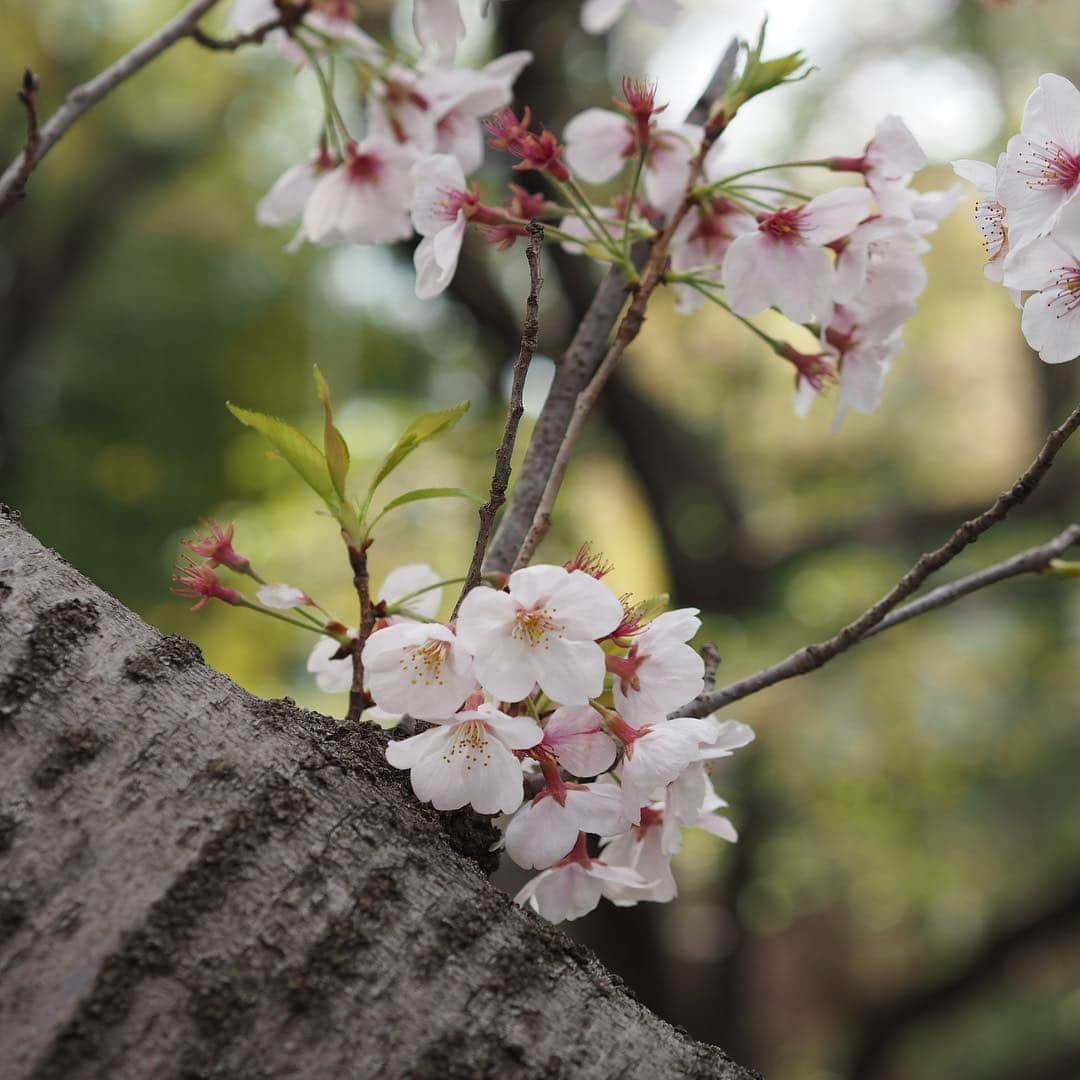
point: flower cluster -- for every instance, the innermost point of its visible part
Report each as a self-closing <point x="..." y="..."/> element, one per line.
<point x="845" y="264"/>
<point x="1030" y="220"/>
<point x="554" y="682"/>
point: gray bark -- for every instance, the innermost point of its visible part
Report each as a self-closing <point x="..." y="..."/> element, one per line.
<point x="197" y="883"/>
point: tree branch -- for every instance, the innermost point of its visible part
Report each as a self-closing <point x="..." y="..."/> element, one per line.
<point x="579" y="366"/>
<point x="82" y="98"/>
<point x="1034" y="560"/>
<point x="811" y="657"/>
<point x="290" y="15"/>
<point x="500" y="478"/>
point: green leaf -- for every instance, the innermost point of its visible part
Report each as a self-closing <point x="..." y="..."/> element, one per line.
<point x="430" y="493"/>
<point x="296" y="448"/>
<point x="418" y="432"/>
<point x="337" y="450"/>
<point x="423" y="493"/>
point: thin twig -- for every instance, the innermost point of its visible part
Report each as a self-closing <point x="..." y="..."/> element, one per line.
<point x="500" y="478"/>
<point x="1034" y="560"/>
<point x="290" y="15"/>
<point x="577" y="366"/>
<point x="358" y="698"/>
<point x="27" y="95"/>
<point x="82" y="98"/>
<point x="811" y="657"/>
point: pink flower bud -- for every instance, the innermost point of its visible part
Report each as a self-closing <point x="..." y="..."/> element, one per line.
<point x="199" y="580"/>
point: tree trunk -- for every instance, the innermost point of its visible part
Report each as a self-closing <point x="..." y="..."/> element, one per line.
<point x="197" y="883"/>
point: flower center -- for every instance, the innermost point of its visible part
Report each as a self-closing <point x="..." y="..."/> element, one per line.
<point x="784" y="225"/>
<point x="1051" y="165"/>
<point x="364" y="168"/>
<point x="534" y="625"/>
<point x="469" y="745"/>
<point x="424" y="663"/>
<point x="1067" y="298"/>
<point x="990" y="221"/>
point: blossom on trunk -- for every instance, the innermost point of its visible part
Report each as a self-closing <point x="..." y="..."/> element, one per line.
<point x="543" y="630"/>
<point x="784" y="262"/>
<point x="417" y="668"/>
<point x="468" y="759"/>
<point x="573" y="735"/>
<point x="545" y="829"/>
<point x="660" y="672"/>
<point x="573" y="887"/>
<point x="599" y="16"/>
<point x="1050" y="266"/>
<point x="365" y="200"/>
<point x="1042" y="163"/>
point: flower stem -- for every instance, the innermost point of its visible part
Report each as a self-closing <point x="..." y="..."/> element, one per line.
<point x="318" y="629"/>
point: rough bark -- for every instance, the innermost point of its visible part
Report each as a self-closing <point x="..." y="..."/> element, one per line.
<point x="197" y="883"/>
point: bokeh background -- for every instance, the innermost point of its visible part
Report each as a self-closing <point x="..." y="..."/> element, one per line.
<point x="905" y="898"/>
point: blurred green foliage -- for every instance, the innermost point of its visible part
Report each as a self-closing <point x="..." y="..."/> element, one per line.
<point x="898" y="806"/>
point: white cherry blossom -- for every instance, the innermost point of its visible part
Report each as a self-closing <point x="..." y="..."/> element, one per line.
<point x="785" y="264"/>
<point x="286" y="199"/>
<point x="574" y="737"/>
<point x="417" y="668"/>
<point x="887" y="165"/>
<point x="545" y="829"/>
<point x="543" y="630"/>
<point x="439" y="216"/>
<point x="573" y="887"/>
<point x="660" y="672"/>
<point x="365" y="200"/>
<point x="991" y="218"/>
<point x="403" y="581"/>
<point x="1042" y="164"/>
<point x="467" y="759"/>
<point x="1051" y="267"/>
<point x="331" y="676"/>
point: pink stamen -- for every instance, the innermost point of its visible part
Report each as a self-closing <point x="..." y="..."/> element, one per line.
<point x="1068" y="291"/>
<point x="1053" y="166"/>
<point x="990" y="221"/>
<point x="785" y="224"/>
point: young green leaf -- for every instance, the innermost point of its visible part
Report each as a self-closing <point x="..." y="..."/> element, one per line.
<point x="296" y="448"/>
<point x="337" y="451"/>
<point x="418" y="432"/>
<point x="423" y="493"/>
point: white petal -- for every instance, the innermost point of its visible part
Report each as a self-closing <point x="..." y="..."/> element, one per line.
<point x="980" y="173"/>
<point x="573" y="734"/>
<point x="405" y="753"/>
<point x="570" y="672"/>
<point x="403" y="580"/>
<point x="596" y="143"/>
<point x="282" y="597"/>
<point x="541" y="833"/>
<point x="585" y="607"/>
<point x="1051" y="324"/>
<point x="834" y="214"/>
<point x="515" y="732"/>
<point x="598" y="16"/>
<point x="285" y="201"/>
<point x="434" y="178"/>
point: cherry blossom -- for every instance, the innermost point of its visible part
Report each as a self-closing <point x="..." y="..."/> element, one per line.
<point x="545" y="829"/>
<point x="542" y="630"/>
<point x="1042" y="164"/>
<point x="331" y="676"/>
<point x="785" y="264"/>
<point x="702" y="240"/>
<point x="573" y="887"/>
<point x="438" y="26"/>
<point x="364" y="200"/>
<point x="468" y="758"/>
<point x="660" y="672"/>
<point x="599" y="16"/>
<point x="417" y="668"/>
<point x="887" y="165"/>
<point x="1051" y="267"/>
<point x="990" y="215"/>
<point x="574" y="737"/>
<point x="283" y="597"/>
<point x="402" y="582"/>
<point x="285" y="201"/>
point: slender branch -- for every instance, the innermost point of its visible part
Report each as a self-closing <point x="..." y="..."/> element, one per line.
<point x="358" y="698"/>
<point x="289" y="16"/>
<point x="82" y="98"/>
<point x="629" y="328"/>
<point x="1034" y="560"/>
<point x="500" y="478"/>
<point x="811" y="657"/>
<point x="27" y="95"/>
